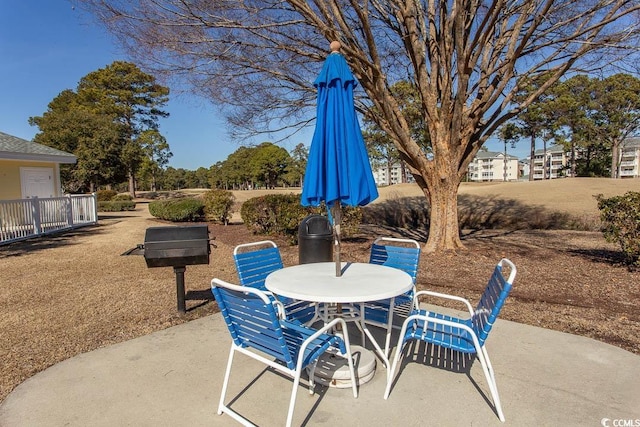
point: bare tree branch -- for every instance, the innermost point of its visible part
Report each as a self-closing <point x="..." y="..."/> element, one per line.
<point x="257" y="60"/>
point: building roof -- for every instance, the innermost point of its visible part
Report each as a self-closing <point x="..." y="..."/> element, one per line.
<point x="14" y="148"/>
<point x="632" y="142"/>
<point x="483" y="155"/>
<point x="552" y="149"/>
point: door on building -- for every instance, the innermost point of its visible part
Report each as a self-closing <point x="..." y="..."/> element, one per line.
<point x="37" y="182"/>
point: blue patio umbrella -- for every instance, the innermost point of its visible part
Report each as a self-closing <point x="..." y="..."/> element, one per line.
<point x="338" y="169"/>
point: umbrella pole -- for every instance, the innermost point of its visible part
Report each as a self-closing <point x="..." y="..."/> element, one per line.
<point x="336" y="212"/>
<point x="337" y="219"/>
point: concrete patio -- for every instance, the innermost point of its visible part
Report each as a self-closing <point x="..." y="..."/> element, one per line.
<point x="173" y="378"/>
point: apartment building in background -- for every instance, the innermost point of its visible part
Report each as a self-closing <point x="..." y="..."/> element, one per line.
<point x="491" y="166"/>
<point x="552" y="164"/>
<point x="629" y="158"/>
<point x="394" y="174"/>
<point x="557" y="161"/>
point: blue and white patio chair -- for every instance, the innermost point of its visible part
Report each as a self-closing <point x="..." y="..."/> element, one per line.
<point x="466" y="335"/>
<point x="259" y="331"/>
<point x="403" y="254"/>
<point x="254" y="261"/>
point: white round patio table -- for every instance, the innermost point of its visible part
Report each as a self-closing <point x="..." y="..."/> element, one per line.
<point x="359" y="283"/>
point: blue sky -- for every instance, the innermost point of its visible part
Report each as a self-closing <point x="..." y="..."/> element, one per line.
<point x="46" y="46"/>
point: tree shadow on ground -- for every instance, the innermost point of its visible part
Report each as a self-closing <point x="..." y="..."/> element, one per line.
<point x="602" y="256"/>
<point x="484" y="218"/>
<point x="62" y="238"/>
<point x="372" y="231"/>
<point x="474" y="213"/>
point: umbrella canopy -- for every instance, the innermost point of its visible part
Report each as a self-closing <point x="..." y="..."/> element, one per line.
<point x="338" y="169"/>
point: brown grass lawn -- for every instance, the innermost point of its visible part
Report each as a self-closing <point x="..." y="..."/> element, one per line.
<point x="75" y="292"/>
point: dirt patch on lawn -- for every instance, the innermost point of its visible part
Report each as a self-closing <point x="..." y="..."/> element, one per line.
<point x="69" y="294"/>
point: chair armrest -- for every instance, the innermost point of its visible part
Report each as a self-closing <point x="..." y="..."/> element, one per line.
<point x="276" y="303"/>
<point x="443" y="322"/>
<point x="318" y="332"/>
<point x="279" y="309"/>
<point x="444" y="296"/>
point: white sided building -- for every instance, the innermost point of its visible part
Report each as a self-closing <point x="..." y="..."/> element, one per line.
<point x="493" y="166"/>
<point x="630" y="158"/>
<point x="550" y="164"/>
<point x="394" y="174"/>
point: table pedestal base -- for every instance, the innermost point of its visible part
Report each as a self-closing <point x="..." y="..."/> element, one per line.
<point x="333" y="371"/>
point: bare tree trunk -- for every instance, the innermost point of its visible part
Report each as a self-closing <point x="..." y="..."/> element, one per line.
<point x="615" y="159"/>
<point x="444" y="233"/>
<point x="132" y="184"/>
<point x="504" y="175"/>
<point x="532" y="155"/>
<point x="573" y="159"/>
<point x="544" y="159"/>
<point x="389" y="172"/>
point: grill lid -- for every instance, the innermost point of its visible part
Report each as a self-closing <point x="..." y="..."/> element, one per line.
<point x="176" y="246"/>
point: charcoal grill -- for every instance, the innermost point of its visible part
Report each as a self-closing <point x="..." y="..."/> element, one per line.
<point x="177" y="247"/>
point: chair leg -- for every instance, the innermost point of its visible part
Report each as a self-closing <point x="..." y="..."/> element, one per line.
<point x="225" y="383"/>
<point x="360" y="324"/>
<point x="389" y="328"/>
<point x="294" y="393"/>
<point x="315" y="317"/>
<point x="312" y="373"/>
<point x="392" y="370"/>
<point x="349" y="356"/>
<point x="483" y="356"/>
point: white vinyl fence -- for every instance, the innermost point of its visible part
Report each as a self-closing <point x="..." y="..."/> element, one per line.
<point x="24" y="218"/>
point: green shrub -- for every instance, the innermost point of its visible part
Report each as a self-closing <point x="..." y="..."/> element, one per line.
<point x="182" y="210"/>
<point x="105" y="195"/>
<point x="273" y="214"/>
<point x="620" y="217"/>
<point x="116" y="206"/>
<point x="282" y="214"/>
<point x="218" y="205"/>
<point x="122" y="196"/>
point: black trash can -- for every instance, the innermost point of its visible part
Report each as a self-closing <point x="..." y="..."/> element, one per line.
<point x="315" y="240"/>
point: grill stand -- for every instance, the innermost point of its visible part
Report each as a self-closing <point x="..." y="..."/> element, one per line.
<point x="180" y="288"/>
<point x="177" y="247"/>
